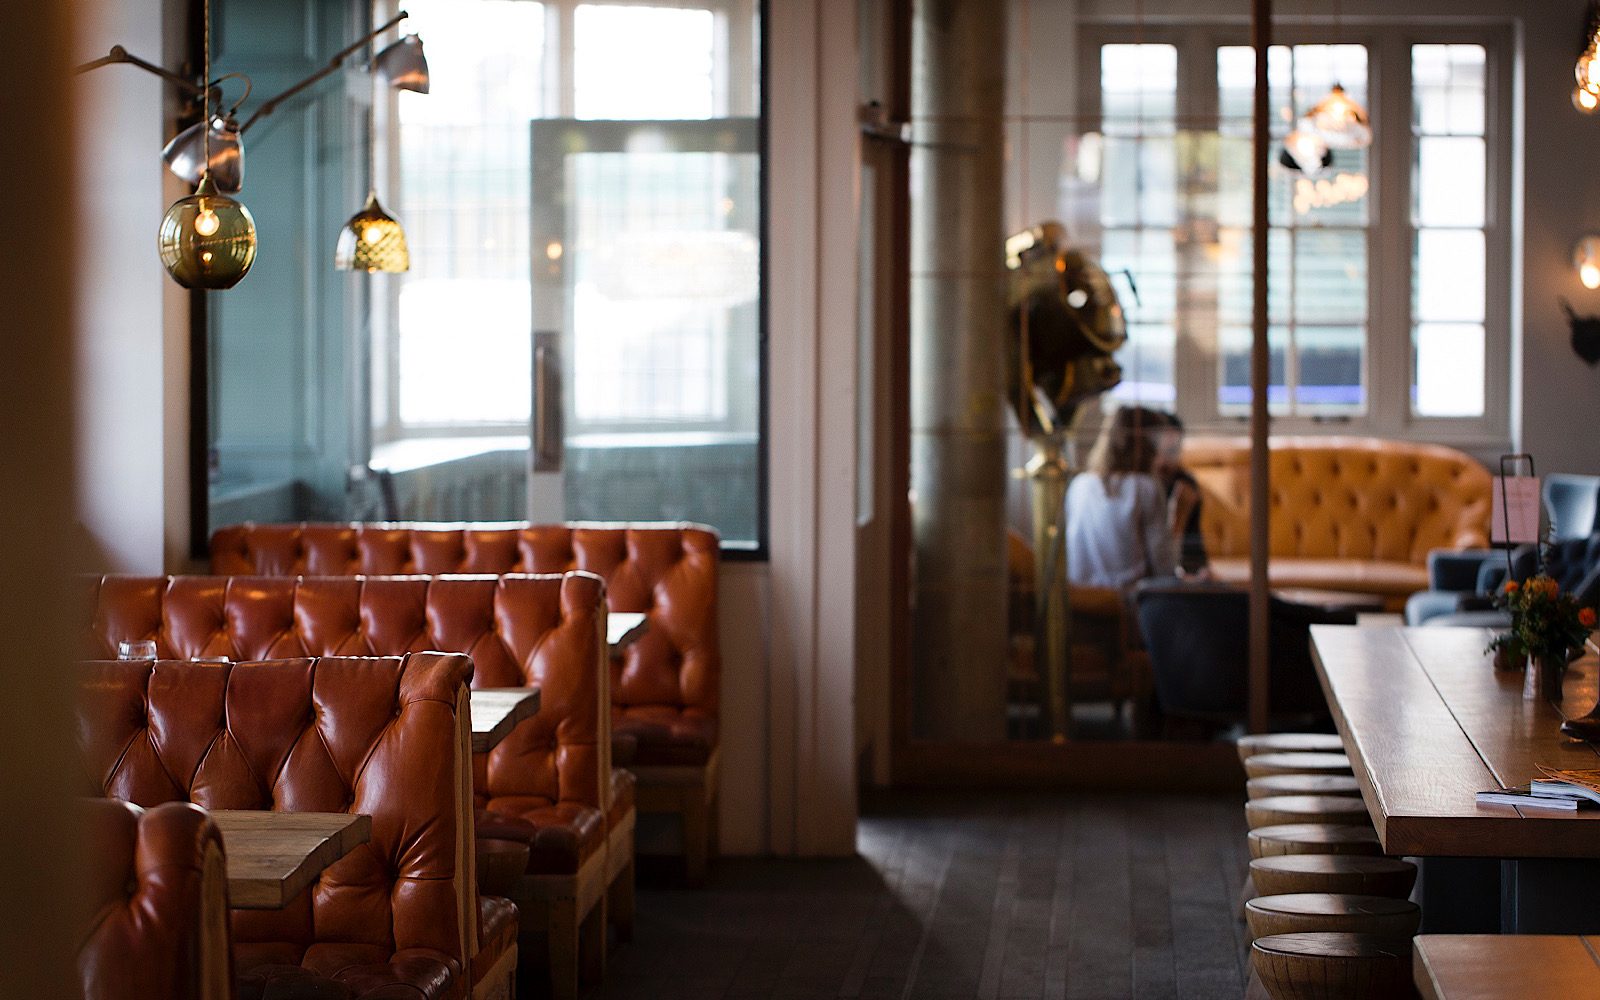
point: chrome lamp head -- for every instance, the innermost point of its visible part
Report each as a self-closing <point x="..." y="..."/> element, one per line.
<point x="403" y="65"/>
<point x="185" y="155"/>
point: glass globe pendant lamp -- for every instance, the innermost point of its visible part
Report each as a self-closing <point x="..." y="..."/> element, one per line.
<point x="372" y="241"/>
<point x="1340" y="121"/>
<point x="1585" y="100"/>
<point x="207" y="240"/>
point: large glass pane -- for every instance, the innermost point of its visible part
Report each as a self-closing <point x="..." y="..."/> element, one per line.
<point x="1449" y="366"/>
<point x="1330" y="275"/>
<point x="1449" y="275"/>
<point x="1329" y="369"/>
<point x="1138" y="89"/>
<point x="1233" y="389"/>
<point x="1448" y="84"/>
<point x="1449" y="181"/>
<point x="615" y="48"/>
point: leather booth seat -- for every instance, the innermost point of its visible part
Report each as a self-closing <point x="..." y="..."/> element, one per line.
<point x="664" y="685"/>
<point x="1348" y="513"/>
<point x="547" y="783"/>
<point x="381" y="736"/>
<point x="158" y="915"/>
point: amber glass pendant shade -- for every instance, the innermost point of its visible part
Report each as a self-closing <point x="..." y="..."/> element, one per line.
<point x="1340" y="121"/>
<point x="207" y="240"/>
<point x="372" y="241"/>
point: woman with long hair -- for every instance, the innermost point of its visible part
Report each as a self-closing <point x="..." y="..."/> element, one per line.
<point x="1118" y="531"/>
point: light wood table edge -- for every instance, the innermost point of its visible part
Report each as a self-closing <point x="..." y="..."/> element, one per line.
<point x="486" y="740"/>
<point x="1425" y="976"/>
<point x="251" y="894"/>
<point x="1352" y="750"/>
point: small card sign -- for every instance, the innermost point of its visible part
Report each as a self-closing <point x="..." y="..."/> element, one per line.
<point x="1514" y="516"/>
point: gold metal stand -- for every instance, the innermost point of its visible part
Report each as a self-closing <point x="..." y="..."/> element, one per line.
<point x="1050" y="470"/>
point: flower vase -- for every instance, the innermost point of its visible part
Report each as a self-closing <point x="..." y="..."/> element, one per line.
<point x="1544" y="676"/>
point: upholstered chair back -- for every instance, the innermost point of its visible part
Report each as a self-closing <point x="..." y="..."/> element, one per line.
<point x="158" y="903"/>
<point x="1343" y="498"/>
<point x="668" y="572"/>
<point x="380" y="736"/>
<point x="519" y="630"/>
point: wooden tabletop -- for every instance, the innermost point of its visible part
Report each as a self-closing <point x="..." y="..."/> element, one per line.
<point x="496" y="711"/>
<point x="275" y="856"/>
<point x="1505" y="966"/>
<point x="1428" y="723"/>
<point x="1331" y="600"/>
<point x="623" y="627"/>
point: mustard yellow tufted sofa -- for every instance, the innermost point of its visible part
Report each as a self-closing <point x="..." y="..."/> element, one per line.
<point x="1348" y="513"/>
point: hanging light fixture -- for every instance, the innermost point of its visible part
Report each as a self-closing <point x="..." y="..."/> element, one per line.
<point x="1585" y="100"/>
<point x="1586" y="96"/>
<point x="207" y="240"/>
<point x="193" y="153"/>
<point x="1586" y="259"/>
<point x="1304" y="150"/>
<point x="373" y="240"/>
<point x="1338" y="119"/>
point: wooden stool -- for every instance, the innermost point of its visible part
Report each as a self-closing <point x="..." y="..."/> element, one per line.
<point x="1277" y="810"/>
<point x="1249" y="746"/>
<point x="1264" y="764"/>
<point x="1313" y="838"/>
<point x="1361" y="875"/>
<point x="1311" y="912"/>
<point x="1302" y="784"/>
<point x="1326" y="966"/>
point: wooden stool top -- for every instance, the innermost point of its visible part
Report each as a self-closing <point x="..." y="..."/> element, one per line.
<point x="1303" y="784"/>
<point x="1308" y="912"/>
<point x="1313" y="838"/>
<point x="1256" y="743"/>
<point x="1354" y="873"/>
<point x="1263" y="764"/>
<point x="1330" y="964"/>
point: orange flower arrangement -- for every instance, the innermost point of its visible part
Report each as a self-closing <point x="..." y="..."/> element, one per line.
<point x="1544" y="621"/>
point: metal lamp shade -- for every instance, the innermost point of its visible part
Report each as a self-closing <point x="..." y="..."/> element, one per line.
<point x="372" y="241"/>
<point x="1340" y="121"/>
<point x="185" y="155"/>
<point x="403" y="66"/>
<point x="207" y="240"/>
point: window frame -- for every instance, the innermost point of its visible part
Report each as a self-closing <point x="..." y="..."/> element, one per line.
<point x="1389" y="355"/>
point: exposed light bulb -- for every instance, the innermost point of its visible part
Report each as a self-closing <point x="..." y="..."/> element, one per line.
<point x="1586" y="258"/>
<point x="371" y="234"/>
<point x="1587" y="69"/>
<point x="1585" y="100"/>
<point x="1340" y="122"/>
<point x="1306" y="148"/>
<point x="206" y="222"/>
<point x="1589" y="274"/>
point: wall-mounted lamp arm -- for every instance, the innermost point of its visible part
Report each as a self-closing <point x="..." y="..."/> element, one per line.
<point x="271" y="104"/>
<point x="118" y="54"/>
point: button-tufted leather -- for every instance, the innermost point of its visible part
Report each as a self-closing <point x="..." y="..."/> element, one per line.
<point x="664" y="686"/>
<point x="519" y="629"/>
<point x="371" y="735"/>
<point x="149" y="874"/>
<point x="1348" y="513"/>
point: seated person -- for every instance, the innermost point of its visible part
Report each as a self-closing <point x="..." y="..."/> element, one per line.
<point x="1183" y="498"/>
<point x="1117" y="525"/>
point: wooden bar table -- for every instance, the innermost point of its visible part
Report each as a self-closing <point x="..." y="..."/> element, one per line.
<point x="1498" y="966"/>
<point x="275" y="856"/>
<point x="496" y="711"/>
<point x="1428" y="723"/>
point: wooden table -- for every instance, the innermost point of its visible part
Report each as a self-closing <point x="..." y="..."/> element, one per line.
<point x="496" y="711"/>
<point x="1331" y="600"/>
<point x="275" y="856"/>
<point x="1427" y="723"/>
<point x="1485" y="966"/>
<point x="623" y="627"/>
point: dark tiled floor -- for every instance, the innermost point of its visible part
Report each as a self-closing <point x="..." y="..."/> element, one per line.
<point x="1005" y="897"/>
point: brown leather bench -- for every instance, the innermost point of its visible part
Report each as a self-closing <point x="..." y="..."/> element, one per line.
<point x="664" y="686"/>
<point x="158" y="904"/>
<point x="545" y="784"/>
<point x="385" y="737"/>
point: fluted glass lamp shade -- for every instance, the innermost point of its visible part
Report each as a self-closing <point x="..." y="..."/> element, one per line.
<point x="1304" y="150"/>
<point x="1340" y="121"/>
<point x="207" y="240"/>
<point x="403" y="66"/>
<point x="185" y="155"/>
<point x="372" y="241"/>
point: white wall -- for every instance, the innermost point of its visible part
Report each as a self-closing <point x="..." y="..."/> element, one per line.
<point x="133" y="344"/>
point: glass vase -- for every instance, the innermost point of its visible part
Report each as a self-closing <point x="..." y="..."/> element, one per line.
<point x="1544" y="676"/>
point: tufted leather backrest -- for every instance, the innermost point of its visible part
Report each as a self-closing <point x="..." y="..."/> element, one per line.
<point x="158" y="896"/>
<point x="666" y="571"/>
<point x="380" y="736"/>
<point x="1343" y="498"/>
<point x="519" y="629"/>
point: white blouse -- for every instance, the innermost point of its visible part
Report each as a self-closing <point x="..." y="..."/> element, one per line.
<point x="1117" y="536"/>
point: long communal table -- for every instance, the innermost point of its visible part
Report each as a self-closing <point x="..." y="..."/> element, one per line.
<point x="1497" y="966"/>
<point x="1428" y="723"/>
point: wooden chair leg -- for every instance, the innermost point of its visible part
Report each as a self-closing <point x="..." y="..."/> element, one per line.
<point x="620" y="903"/>
<point x="563" y="949"/>
<point x="592" y="944"/>
<point x="696" y="838"/>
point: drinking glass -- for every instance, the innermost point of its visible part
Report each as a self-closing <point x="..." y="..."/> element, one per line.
<point x="136" y="649"/>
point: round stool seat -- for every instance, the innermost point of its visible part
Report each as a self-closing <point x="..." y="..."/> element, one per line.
<point x="1311" y="912"/>
<point x="1331" y="966"/>
<point x="1302" y="784"/>
<point x="1277" y="810"/>
<point x="1313" y="838"/>
<point x="1263" y="764"/>
<point x="1362" y="875"/>
<point x="1251" y="745"/>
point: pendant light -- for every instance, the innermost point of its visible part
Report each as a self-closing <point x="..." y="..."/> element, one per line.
<point x="1337" y="119"/>
<point x="207" y="240"/>
<point x="373" y="240"/>
<point x="1586" y="95"/>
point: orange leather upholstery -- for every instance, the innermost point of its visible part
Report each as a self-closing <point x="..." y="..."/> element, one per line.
<point x="1357" y="514"/>
<point x="664" y="687"/>
<point x="549" y="774"/>
<point x="148" y="884"/>
<point x="372" y="735"/>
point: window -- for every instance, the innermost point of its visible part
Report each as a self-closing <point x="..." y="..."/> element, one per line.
<point x="1411" y="343"/>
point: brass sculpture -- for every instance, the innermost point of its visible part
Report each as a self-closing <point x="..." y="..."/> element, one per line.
<point x="1065" y="324"/>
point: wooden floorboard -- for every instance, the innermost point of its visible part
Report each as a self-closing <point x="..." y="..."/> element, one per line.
<point x="1001" y="897"/>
